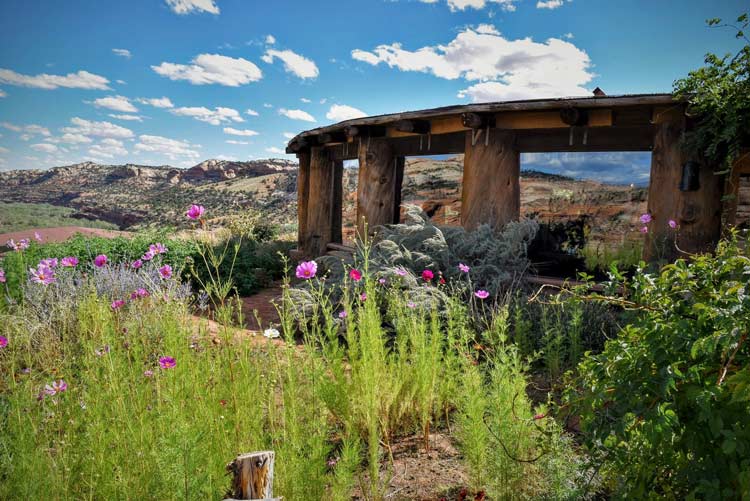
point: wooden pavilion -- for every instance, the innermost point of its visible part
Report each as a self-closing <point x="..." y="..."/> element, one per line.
<point x="492" y="136"/>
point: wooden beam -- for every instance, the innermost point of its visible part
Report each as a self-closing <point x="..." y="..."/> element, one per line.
<point x="477" y="120"/>
<point x="634" y="138"/>
<point x="320" y="203"/>
<point x="337" y="202"/>
<point x="364" y="131"/>
<point x="574" y="116"/>
<point x="740" y="167"/>
<point x="491" y="191"/>
<point x="411" y="145"/>
<point x="303" y="194"/>
<point x="332" y="137"/>
<point x="376" y="187"/>
<point x="413" y="126"/>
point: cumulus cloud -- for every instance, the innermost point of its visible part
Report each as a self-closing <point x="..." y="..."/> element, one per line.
<point x="37" y="129"/>
<point x="131" y="118"/>
<point x="115" y="103"/>
<point x="270" y="39"/>
<point x="156" y="102"/>
<point x="251" y="112"/>
<point x="234" y="141"/>
<point x="505" y="69"/>
<point x="212" y="69"/>
<point x="614" y="167"/>
<point x="239" y="132"/>
<point x="97" y="129"/>
<point x="305" y="100"/>
<point x="275" y="150"/>
<point x="80" y="80"/>
<point x="10" y="126"/>
<point x="293" y="63"/>
<point x="174" y="149"/>
<point x="28" y="130"/>
<point x="123" y="53"/>
<point x="44" y="147"/>
<point x="108" y="148"/>
<point x="69" y="138"/>
<point x="4" y="150"/>
<point x="188" y="6"/>
<point x="458" y="5"/>
<point x="340" y="112"/>
<point x="297" y="115"/>
<point x="288" y="135"/>
<point x="217" y="116"/>
<point x="3" y="93"/>
<point x="549" y="4"/>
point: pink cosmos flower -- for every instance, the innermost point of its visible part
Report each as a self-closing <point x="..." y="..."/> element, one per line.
<point x="69" y="262"/>
<point x="672" y="223"/>
<point x="167" y="362"/>
<point x="148" y="373"/>
<point x="139" y="293"/>
<point x="101" y="351"/>
<point x="117" y="304"/>
<point x="482" y="294"/>
<point x="381" y="281"/>
<point x="136" y="264"/>
<point x="411" y="304"/>
<point x="37" y="237"/>
<point x="100" y="260"/>
<point x="148" y="256"/>
<point x="427" y="275"/>
<point x="55" y="387"/>
<point x="646" y="218"/>
<point x="195" y="211"/>
<point x="343" y="314"/>
<point x="463" y="268"/>
<point x="50" y="262"/>
<point x="644" y="229"/>
<point x="363" y="297"/>
<point x="306" y="269"/>
<point x="355" y="274"/>
<point x="42" y="275"/>
<point x="3" y="341"/>
<point x="165" y="271"/>
<point x="2" y="276"/>
<point x="24" y="243"/>
<point x="400" y="272"/>
<point x="539" y="416"/>
<point x="158" y="248"/>
<point x="11" y="244"/>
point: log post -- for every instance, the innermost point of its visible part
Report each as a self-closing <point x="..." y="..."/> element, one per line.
<point x="253" y="476"/>
<point x="491" y="191"/>
<point x="379" y="179"/>
<point x="303" y="194"/>
<point x="321" y="203"/>
<point x="698" y="213"/>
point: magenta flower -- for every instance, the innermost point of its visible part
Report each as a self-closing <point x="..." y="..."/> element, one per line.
<point x="37" y="237"/>
<point x="363" y="297"/>
<point x="55" y="387"/>
<point x="148" y="373"/>
<point x="69" y="262"/>
<point x="427" y="275"/>
<point x="42" y="275"/>
<point x="672" y="224"/>
<point x="411" y="304"/>
<point x="165" y="271"/>
<point x="195" y="211"/>
<point x="167" y="362"/>
<point x="137" y="264"/>
<point x="139" y="293"/>
<point x="401" y="272"/>
<point x="2" y="276"/>
<point x="101" y="351"/>
<point x="11" y="244"/>
<point x="24" y="243"/>
<point x="646" y="218"/>
<point x="355" y="274"/>
<point x="50" y="262"/>
<point x="644" y="229"/>
<point x="148" y="256"/>
<point x="157" y="248"/>
<point x="381" y="281"/>
<point x="3" y="341"/>
<point x="343" y="314"/>
<point x="117" y="304"/>
<point x="537" y="417"/>
<point x="306" y="270"/>
<point x="463" y="268"/>
<point x="482" y="294"/>
<point x="100" y="260"/>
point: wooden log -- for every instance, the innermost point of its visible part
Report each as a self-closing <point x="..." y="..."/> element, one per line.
<point x="303" y="193"/>
<point x="252" y="475"/>
<point x="413" y="126"/>
<point x="320" y="203"/>
<point x="732" y="190"/>
<point x="698" y="213"/>
<point x="337" y="208"/>
<point x="477" y="120"/>
<point x="574" y="116"/>
<point x="376" y="187"/>
<point x="491" y="189"/>
<point x="332" y="137"/>
<point x="365" y="131"/>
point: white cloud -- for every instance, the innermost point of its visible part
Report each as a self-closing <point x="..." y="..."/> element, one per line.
<point x="108" y="148"/>
<point x="297" y="115"/>
<point x="456" y="5"/>
<point x="506" y="69"/>
<point x="293" y="63"/>
<point x="212" y="69"/>
<point x="123" y="53"/>
<point x="171" y="148"/>
<point x="97" y="129"/>
<point x="217" y="116"/>
<point x="305" y="100"/>
<point x="4" y="150"/>
<point x="275" y="150"/>
<point x="568" y="35"/>
<point x="267" y="105"/>
<point x="288" y="135"/>
<point x="3" y="93"/>
<point x="270" y="39"/>
<point x="239" y="132"/>
<point x="115" y="103"/>
<point x="28" y="130"/>
<point x="156" y="102"/>
<point x="44" y="147"/>
<point x="121" y="82"/>
<point x="228" y="158"/>
<point x="37" y="129"/>
<point x="341" y="112"/>
<point x="188" y="6"/>
<point x="251" y="112"/>
<point x="73" y="139"/>
<point x="549" y="4"/>
<point x="323" y="101"/>
<point x="10" y="126"/>
<point x="80" y="80"/>
<point x="234" y="141"/>
<point x="131" y="118"/>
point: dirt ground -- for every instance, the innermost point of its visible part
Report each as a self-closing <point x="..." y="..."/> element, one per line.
<point x="60" y="234"/>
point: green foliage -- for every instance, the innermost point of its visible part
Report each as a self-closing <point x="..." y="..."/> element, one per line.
<point x="16" y="216"/>
<point x="719" y="95"/>
<point x="665" y="405"/>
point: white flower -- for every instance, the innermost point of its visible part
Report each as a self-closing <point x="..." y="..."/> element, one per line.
<point x="271" y="333"/>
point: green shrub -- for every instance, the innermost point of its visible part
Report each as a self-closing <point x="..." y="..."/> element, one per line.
<point x="665" y="405"/>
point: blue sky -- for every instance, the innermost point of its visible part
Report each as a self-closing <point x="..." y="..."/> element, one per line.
<point x="178" y="81"/>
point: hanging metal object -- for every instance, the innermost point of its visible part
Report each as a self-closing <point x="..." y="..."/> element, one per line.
<point x="690" y="176"/>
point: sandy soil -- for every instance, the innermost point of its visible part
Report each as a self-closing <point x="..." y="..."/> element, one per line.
<point x="60" y="234"/>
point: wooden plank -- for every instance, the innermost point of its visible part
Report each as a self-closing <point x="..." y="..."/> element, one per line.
<point x="491" y="191"/>
<point x="376" y="186"/>
<point x="320" y="203"/>
<point x="303" y="194"/>
<point x="731" y="190"/>
<point x="633" y="138"/>
<point x="337" y="208"/>
<point x="252" y="475"/>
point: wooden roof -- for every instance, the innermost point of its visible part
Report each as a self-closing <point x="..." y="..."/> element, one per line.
<point x="591" y="102"/>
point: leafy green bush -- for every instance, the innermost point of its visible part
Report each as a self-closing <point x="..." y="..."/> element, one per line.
<point x="665" y="405"/>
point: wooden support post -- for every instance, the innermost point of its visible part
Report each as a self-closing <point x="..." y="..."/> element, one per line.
<point x="732" y="190"/>
<point x="377" y="200"/>
<point x="253" y="476"/>
<point x="491" y="190"/>
<point x="303" y="194"/>
<point x="321" y="203"/>
<point x="698" y="213"/>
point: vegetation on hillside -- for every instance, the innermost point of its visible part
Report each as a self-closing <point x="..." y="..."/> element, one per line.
<point x="16" y="216"/>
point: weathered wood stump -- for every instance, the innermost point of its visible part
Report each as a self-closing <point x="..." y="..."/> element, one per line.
<point x="253" y="476"/>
